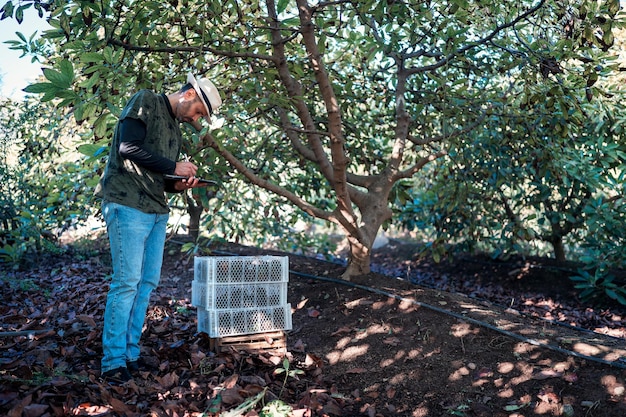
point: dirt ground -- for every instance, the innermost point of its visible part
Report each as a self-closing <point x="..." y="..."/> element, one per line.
<point x="396" y="348"/>
<point x="475" y="338"/>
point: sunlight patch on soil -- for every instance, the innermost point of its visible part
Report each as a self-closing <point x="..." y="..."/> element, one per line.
<point x="350" y="354"/>
<point x="415" y="353"/>
<point x="609" y="355"/>
<point x="408" y="305"/>
<point x="374" y="329"/>
<point x="420" y="412"/>
<point x="343" y="342"/>
<point x="506" y="367"/>
<point x="522" y="348"/>
<point x="379" y="305"/>
<point x="463" y="329"/>
<point x="613" y="387"/>
<point x="476" y="309"/>
<point x="390" y="361"/>
<point x="459" y="374"/>
<point x="506" y="393"/>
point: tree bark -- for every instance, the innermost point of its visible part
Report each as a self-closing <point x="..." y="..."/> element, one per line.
<point x="195" y="211"/>
<point x="559" y="249"/>
<point x="375" y="212"/>
<point x="359" y="262"/>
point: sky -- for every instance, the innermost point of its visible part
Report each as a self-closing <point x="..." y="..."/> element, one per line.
<point x="15" y="72"/>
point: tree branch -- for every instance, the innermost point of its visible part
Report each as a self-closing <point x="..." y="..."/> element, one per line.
<point x="443" y="61"/>
<point x="439" y="138"/>
<point x="209" y="140"/>
<point x="408" y="173"/>
<point x="175" y="49"/>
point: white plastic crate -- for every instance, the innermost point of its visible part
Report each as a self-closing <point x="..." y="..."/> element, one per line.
<point x="241" y="269"/>
<point x="211" y="296"/>
<point x="220" y="323"/>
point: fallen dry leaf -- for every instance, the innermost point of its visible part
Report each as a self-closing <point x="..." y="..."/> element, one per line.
<point x="548" y="397"/>
<point x="416" y="366"/>
<point x="34" y="410"/>
<point x="88" y="319"/>
<point x="299" y="346"/>
<point x="351" y="305"/>
<point x="231" y="381"/>
<point x="231" y="396"/>
<point x="341" y="330"/>
<point x="119" y="406"/>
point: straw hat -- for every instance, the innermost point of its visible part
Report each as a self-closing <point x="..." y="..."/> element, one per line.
<point x="208" y="94"/>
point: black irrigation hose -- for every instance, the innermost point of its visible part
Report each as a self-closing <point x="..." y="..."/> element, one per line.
<point x="456" y="315"/>
<point x="464" y="318"/>
<point x="521" y="313"/>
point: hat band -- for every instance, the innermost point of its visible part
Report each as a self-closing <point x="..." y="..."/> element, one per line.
<point x="206" y="100"/>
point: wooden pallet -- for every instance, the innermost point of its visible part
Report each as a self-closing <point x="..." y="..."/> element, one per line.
<point x="275" y="342"/>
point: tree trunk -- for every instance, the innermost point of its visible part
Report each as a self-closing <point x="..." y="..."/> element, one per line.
<point x="360" y="259"/>
<point x="375" y="212"/>
<point x="195" y="211"/>
<point x="559" y="249"/>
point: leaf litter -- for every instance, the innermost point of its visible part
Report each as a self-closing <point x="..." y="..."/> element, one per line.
<point x="356" y="353"/>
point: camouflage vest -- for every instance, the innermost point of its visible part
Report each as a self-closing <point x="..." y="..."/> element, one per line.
<point x="127" y="183"/>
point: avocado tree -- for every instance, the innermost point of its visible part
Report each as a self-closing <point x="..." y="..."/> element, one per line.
<point x="519" y="185"/>
<point x="328" y="105"/>
<point x="536" y="178"/>
<point x="43" y="187"/>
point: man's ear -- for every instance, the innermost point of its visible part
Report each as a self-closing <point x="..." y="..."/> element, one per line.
<point x="190" y="94"/>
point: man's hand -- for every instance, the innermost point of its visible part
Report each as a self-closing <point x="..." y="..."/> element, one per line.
<point x="191" y="182"/>
<point x="185" y="169"/>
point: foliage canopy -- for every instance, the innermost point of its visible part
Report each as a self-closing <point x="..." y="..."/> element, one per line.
<point x="335" y="107"/>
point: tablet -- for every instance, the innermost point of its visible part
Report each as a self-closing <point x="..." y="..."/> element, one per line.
<point x="180" y="177"/>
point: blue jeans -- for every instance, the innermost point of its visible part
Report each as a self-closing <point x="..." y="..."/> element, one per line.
<point x="137" y="240"/>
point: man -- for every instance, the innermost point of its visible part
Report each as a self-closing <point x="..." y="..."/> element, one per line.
<point x="146" y="145"/>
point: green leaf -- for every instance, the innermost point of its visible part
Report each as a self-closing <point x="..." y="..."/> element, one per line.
<point x="282" y="6"/>
<point x="621" y="299"/>
<point x="514" y="407"/>
<point x="291" y="22"/>
<point x="187" y="247"/>
<point x="91" y="81"/>
<point x="84" y="111"/>
<point x="19" y="13"/>
<point x="7" y="10"/>
<point x="39" y="88"/>
<point x="107" y="53"/>
<point x="215" y="405"/>
<point x="48" y="96"/>
<point x="91" y="149"/>
<point x="56" y="78"/>
<point x="613" y="6"/>
<point x="67" y="70"/>
<point x="91" y="57"/>
<point x="100" y="126"/>
<point x="615" y="295"/>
